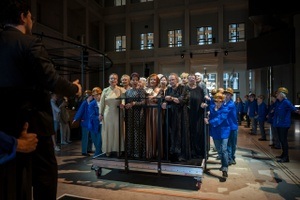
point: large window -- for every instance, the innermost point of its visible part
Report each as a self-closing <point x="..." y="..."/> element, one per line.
<point x="120" y="2"/>
<point x="236" y="32"/>
<point x="120" y="43"/>
<point x="211" y="81"/>
<point x="175" y="38"/>
<point x="147" y="41"/>
<point x="204" y="35"/>
<point x="231" y="80"/>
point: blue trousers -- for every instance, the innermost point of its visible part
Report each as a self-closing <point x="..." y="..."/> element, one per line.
<point x="222" y="145"/>
<point x="97" y="140"/>
<point x="231" y="146"/>
<point x="84" y="139"/>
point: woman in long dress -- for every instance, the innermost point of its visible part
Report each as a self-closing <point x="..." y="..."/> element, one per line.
<point x="152" y="117"/>
<point x="112" y="137"/>
<point x="135" y="131"/>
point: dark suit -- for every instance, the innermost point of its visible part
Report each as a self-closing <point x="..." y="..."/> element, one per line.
<point x="26" y="77"/>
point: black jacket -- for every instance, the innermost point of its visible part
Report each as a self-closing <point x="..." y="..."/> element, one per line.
<point x="26" y="78"/>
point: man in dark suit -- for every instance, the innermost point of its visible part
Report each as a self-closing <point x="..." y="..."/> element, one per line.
<point x="26" y="78"/>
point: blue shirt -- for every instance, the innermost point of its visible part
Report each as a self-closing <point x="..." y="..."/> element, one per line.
<point x="262" y="112"/>
<point x="282" y="113"/>
<point x="93" y="112"/>
<point x="8" y="147"/>
<point x="82" y="114"/>
<point x="232" y="116"/>
<point x="219" y="127"/>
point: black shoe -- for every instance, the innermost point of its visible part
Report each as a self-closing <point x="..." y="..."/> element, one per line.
<point x="251" y="133"/>
<point x="271" y="145"/>
<point x="281" y="156"/>
<point x="85" y="154"/>
<point x="262" y="139"/>
<point x="283" y="160"/>
<point x="233" y="162"/>
<point x="224" y="174"/>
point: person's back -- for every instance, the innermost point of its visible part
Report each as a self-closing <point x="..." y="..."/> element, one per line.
<point x="26" y="78"/>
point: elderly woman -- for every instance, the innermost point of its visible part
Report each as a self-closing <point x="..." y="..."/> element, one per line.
<point x="282" y="121"/>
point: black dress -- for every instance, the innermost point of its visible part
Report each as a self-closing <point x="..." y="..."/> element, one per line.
<point x="174" y="119"/>
<point x="196" y="121"/>
<point x="135" y="135"/>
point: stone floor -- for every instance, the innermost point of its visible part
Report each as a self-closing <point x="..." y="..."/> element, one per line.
<point x="256" y="175"/>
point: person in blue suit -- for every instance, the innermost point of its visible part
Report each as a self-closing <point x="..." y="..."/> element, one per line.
<point x="219" y="129"/>
<point x="252" y="113"/>
<point x="261" y="116"/>
<point x="232" y="119"/>
<point x="282" y="121"/>
<point x="95" y="125"/>
<point x="82" y="115"/>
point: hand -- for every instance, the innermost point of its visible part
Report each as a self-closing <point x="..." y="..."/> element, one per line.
<point x="79" y="93"/>
<point x="27" y="141"/>
<point x="203" y="105"/>
<point x="206" y="121"/>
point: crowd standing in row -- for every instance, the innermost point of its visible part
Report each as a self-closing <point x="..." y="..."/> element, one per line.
<point x="120" y="115"/>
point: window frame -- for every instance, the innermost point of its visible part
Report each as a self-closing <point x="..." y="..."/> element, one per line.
<point x="122" y="40"/>
<point x="177" y="38"/>
<point x="205" y="35"/>
<point x="146" y="41"/>
<point x="236" y="32"/>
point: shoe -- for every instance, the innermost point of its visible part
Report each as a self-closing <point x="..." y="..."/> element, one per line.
<point x="63" y="143"/>
<point x="224" y="174"/>
<point x="251" y="133"/>
<point x="218" y="158"/>
<point x="283" y="160"/>
<point x="99" y="155"/>
<point x="262" y="139"/>
<point x="181" y="159"/>
<point x="271" y="145"/>
<point x="281" y="156"/>
<point x="69" y="142"/>
<point x="85" y="154"/>
<point x="233" y="162"/>
<point x="56" y="148"/>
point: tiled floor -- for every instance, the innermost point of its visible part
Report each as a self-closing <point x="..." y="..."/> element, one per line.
<point x="256" y="175"/>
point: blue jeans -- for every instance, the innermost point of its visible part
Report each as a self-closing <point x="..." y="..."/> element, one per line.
<point x="231" y="146"/>
<point x="97" y="140"/>
<point x="84" y="139"/>
<point x="222" y="145"/>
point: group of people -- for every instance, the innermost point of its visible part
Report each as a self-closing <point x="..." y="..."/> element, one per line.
<point x="277" y="114"/>
<point x="28" y="166"/>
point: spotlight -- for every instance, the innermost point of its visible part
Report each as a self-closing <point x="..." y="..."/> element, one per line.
<point x="182" y="55"/>
<point x="226" y="53"/>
